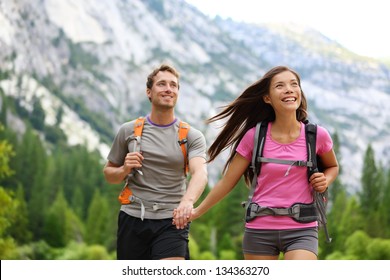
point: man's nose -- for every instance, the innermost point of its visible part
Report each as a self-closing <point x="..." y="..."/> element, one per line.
<point x="168" y="88"/>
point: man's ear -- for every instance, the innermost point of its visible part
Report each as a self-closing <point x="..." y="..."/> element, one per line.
<point x="149" y="94"/>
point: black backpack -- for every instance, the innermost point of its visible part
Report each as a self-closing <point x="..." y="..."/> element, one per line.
<point x="300" y="212"/>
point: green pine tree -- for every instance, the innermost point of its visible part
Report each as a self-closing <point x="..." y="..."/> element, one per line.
<point x="55" y="222"/>
<point x="370" y="194"/>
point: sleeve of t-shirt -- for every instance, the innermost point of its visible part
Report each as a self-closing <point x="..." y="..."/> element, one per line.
<point x="245" y="147"/>
<point x="324" y="141"/>
<point x="119" y="148"/>
<point x="196" y="144"/>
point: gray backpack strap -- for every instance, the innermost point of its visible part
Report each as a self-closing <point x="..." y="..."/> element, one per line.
<point x="136" y="138"/>
<point x="257" y="147"/>
<point x="320" y="199"/>
<point x="287" y="162"/>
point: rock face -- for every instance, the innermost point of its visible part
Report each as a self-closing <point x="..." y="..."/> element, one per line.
<point x="89" y="60"/>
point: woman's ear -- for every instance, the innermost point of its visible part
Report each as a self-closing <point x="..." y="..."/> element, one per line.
<point x="267" y="99"/>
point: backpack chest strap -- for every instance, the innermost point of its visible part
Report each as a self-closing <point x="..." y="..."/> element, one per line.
<point x="291" y="163"/>
<point x="287" y="162"/>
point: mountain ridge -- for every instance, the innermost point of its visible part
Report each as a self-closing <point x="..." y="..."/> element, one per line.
<point x="91" y="58"/>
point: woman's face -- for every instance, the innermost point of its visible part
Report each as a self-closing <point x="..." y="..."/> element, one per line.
<point x="285" y="93"/>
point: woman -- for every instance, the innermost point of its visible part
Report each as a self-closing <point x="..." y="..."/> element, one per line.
<point x="278" y="98"/>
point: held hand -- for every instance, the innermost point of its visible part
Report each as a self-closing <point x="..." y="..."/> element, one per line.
<point x="319" y="182"/>
<point x="182" y="214"/>
<point x="175" y="219"/>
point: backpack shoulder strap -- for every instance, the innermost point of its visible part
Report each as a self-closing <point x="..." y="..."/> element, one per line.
<point x="138" y="126"/>
<point x="126" y="193"/>
<point x="183" y="132"/>
<point x="258" y="146"/>
<point x="320" y="199"/>
<point x="311" y="138"/>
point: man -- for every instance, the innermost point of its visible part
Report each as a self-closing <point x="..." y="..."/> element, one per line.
<point x="154" y="172"/>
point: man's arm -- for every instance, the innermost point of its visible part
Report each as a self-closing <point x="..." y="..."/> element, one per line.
<point x="196" y="186"/>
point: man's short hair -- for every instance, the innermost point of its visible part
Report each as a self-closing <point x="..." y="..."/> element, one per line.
<point x="161" y="68"/>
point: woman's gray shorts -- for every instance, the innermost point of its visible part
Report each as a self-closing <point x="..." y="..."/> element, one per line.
<point x="272" y="242"/>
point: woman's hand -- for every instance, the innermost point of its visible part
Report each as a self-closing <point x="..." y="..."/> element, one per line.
<point x="319" y="182"/>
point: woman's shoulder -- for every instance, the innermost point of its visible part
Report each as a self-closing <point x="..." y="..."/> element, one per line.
<point x="324" y="140"/>
<point x="322" y="131"/>
<point x="250" y="132"/>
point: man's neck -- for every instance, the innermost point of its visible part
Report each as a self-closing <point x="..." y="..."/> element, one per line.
<point x="162" y="118"/>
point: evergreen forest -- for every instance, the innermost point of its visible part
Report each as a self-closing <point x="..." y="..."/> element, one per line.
<point x="56" y="205"/>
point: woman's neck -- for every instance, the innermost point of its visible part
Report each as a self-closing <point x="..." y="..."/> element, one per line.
<point x="285" y="130"/>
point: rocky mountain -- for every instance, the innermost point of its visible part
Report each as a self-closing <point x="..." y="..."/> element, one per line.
<point x="84" y="64"/>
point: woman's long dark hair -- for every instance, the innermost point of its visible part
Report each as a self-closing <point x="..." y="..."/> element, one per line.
<point x="245" y="112"/>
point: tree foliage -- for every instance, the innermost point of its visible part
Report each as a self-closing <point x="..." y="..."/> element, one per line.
<point x="55" y="204"/>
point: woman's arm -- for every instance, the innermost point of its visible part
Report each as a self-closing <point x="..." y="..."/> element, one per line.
<point x="226" y="184"/>
<point x="320" y="181"/>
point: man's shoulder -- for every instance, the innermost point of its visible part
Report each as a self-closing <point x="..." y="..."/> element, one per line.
<point x="193" y="130"/>
<point x="128" y="125"/>
<point x="126" y="128"/>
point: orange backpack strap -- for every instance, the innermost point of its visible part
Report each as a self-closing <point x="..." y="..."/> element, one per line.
<point x="139" y="126"/>
<point x="183" y="131"/>
<point x="124" y="196"/>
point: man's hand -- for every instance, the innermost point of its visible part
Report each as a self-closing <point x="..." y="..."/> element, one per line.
<point x="132" y="160"/>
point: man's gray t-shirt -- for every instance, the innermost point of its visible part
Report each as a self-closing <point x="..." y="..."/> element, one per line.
<point x="163" y="179"/>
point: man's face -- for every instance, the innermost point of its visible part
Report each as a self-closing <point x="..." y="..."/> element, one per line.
<point x="165" y="90"/>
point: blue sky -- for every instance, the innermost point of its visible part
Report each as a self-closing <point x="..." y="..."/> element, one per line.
<point x="360" y="25"/>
